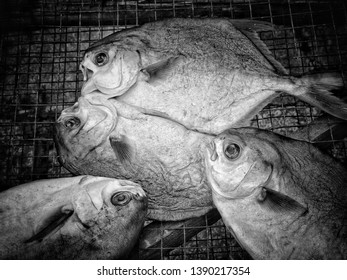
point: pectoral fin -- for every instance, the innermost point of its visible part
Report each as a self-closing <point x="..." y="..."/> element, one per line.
<point x="159" y="71"/>
<point x="51" y="223"/>
<point x="122" y="149"/>
<point x="280" y="203"/>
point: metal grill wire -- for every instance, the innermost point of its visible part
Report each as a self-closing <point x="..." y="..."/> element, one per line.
<point x="42" y="43"/>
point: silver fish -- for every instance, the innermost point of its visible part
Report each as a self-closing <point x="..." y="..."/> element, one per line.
<point x="82" y="217"/>
<point x="206" y="74"/>
<point x="280" y="198"/>
<point x="162" y="156"/>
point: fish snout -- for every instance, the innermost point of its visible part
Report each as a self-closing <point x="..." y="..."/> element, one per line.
<point x="87" y="72"/>
<point x="89" y="69"/>
<point x="212" y="151"/>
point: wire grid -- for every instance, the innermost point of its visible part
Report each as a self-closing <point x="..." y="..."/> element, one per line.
<point x="42" y="44"/>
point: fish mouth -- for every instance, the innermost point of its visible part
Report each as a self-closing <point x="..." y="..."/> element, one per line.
<point x="211" y="151"/>
<point x="88" y="87"/>
<point x="87" y="72"/>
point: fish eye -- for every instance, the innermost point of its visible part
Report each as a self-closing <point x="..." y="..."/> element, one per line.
<point x="101" y="59"/>
<point x="72" y="122"/>
<point x="121" y="198"/>
<point x="232" y="151"/>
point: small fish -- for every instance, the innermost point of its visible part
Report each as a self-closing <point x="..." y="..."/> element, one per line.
<point x="206" y="74"/>
<point x="81" y="217"/>
<point x="165" y="158"/>
<point x="280" y="198"/>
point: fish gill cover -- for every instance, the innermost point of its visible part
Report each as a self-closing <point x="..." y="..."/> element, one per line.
<point x="42" y="44"/>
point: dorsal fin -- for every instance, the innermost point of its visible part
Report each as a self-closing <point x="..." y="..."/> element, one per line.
<point x="279" y="202"/>
<point x="249" y="28"/>
<point x="52" y="222"/>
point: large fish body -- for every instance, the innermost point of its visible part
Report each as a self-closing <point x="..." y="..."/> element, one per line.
<point x="281" y="198"/>
<point x="207" y="74"/>
<point x="162" y="156"/>
<point x="81" y="217"/>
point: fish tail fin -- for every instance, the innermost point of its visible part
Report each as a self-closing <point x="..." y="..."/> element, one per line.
<point x="316" y="90"/>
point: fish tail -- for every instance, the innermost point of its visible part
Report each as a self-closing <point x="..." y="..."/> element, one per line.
<point x="316" y="90"/>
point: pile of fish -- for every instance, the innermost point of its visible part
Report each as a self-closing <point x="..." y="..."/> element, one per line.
<point x="162" y="156"/>
<point x="155" y="97"/>
<point x="157" y="107"/>
<point x="83" y="217"/>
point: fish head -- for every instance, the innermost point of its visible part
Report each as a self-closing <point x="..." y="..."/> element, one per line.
<point x="84" y="126"/>
<point x="89" y="218"/>
<point x="111" y="215"/>
<point x="109" y="68"/>
<point x="234" y="165"/>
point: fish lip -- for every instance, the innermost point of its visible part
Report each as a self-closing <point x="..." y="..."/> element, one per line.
<point x="84" y="71"/>
<point x="211" y="150"/>
<point x="88" y="85"/>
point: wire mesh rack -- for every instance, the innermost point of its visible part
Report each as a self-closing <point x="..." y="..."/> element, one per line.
<point x="42" y="43"/>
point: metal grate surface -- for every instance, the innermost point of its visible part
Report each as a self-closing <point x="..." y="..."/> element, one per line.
<point x="42" y="43"/>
